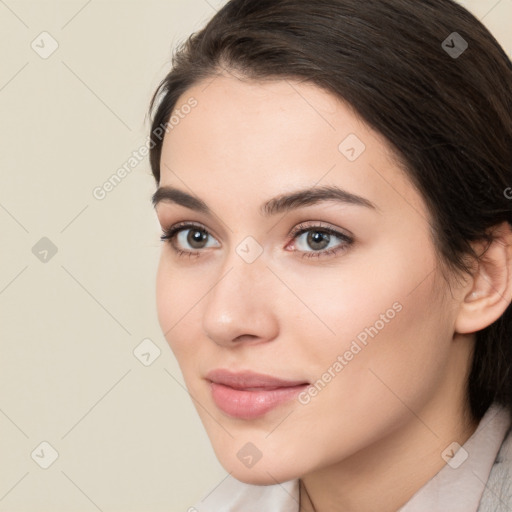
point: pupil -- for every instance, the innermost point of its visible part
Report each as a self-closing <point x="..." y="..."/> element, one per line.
<point x="316" y="237"/>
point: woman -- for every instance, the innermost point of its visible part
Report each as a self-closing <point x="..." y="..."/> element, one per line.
<point x="333" y="188"/>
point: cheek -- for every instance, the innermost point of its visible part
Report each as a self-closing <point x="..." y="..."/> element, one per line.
<point x="377" y="315"/>
<point x="165" y="295"/>
<point x="175" y="298"/>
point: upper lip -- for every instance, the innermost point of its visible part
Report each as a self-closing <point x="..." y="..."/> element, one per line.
<point x="249" y="379"/>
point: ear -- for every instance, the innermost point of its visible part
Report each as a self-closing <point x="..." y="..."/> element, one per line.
<point x="489" y="291"/>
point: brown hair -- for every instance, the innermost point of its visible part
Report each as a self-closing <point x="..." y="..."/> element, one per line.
<point x="446" y="109"/>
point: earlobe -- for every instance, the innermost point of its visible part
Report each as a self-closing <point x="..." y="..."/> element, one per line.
<point x="489" y="291"/>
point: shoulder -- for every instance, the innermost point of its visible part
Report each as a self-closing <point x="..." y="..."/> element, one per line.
<point x="497" y="495"/>
<point x="231" y="495"/>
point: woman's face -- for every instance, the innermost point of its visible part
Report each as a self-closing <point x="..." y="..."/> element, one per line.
<point x="353" y="320"/>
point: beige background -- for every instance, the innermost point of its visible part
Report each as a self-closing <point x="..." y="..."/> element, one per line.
<point x="126" y="433"/>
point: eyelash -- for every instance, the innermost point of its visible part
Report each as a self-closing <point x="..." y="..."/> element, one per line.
<point x="169" y="235"/>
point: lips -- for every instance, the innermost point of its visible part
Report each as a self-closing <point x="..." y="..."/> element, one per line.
<point x="248" y="395"/>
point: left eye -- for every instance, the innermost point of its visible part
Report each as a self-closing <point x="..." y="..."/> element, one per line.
<point x="319" y="238"/>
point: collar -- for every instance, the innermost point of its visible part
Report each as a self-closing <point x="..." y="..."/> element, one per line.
<point x="459" y="485"/>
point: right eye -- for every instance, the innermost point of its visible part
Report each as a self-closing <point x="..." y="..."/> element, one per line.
<point x="186" y="233"/>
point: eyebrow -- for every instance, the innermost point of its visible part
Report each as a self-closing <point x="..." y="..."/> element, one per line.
<point x="276" y="205"/>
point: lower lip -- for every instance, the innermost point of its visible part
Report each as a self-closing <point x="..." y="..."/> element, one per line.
<point x="251" y="404"/>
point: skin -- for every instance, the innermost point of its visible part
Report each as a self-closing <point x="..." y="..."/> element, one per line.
<point x="375" y="433"/>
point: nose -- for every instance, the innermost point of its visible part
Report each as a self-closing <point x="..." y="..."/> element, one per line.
<point x="240" y="305"/>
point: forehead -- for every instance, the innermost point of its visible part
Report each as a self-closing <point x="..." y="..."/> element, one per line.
<point x="275" y="114"/>
<point x="258" y="139"/>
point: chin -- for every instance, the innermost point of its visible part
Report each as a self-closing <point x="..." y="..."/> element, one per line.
<point x="264" y="472"/>
<point x="262" y="475"/>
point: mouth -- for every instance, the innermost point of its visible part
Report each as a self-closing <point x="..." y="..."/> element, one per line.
<point x="249" y="395"/>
